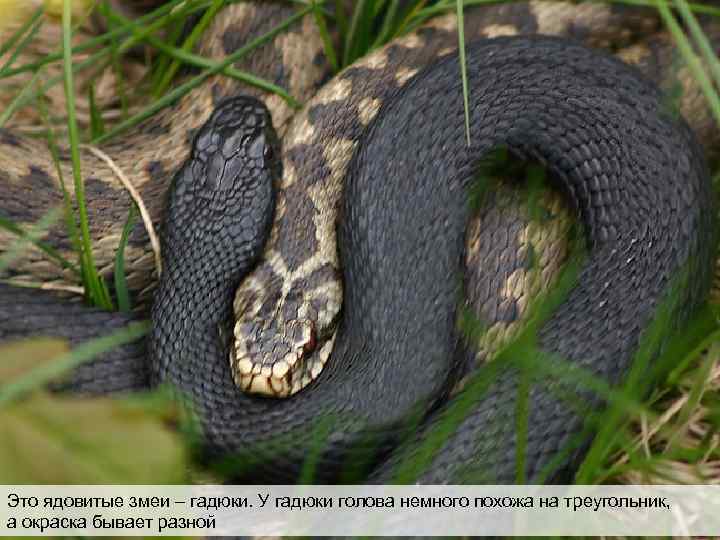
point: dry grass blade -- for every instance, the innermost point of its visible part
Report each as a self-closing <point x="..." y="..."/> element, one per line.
<point x="135" y="194"/>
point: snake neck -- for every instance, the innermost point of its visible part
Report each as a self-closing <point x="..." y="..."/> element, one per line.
<point x="190" y="314"/>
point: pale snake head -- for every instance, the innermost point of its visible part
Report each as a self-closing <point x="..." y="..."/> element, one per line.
<point x="285" y="329"/>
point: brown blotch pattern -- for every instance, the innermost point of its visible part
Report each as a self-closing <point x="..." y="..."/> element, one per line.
<point x="296" y="240"/>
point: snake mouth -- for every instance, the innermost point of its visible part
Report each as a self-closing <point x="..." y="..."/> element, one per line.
<point x="275" y="377"/>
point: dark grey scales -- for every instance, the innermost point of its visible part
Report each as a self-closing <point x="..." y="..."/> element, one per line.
<point x="635" y="174"/>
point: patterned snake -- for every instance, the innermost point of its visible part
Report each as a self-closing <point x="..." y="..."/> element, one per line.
<point x="635" y="174"/>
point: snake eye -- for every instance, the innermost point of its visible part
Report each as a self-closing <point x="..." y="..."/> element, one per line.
<point x="268" y="152"/>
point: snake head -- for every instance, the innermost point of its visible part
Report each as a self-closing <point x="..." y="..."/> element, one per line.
<point x="283" y="338"/>
<point x="223" y="194"/>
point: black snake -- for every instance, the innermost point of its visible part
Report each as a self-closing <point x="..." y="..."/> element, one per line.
<point x="635" y="174"/>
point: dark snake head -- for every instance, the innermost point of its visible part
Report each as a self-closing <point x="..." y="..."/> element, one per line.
<point x="222" y="200"/>
<point x="218" y="218"/>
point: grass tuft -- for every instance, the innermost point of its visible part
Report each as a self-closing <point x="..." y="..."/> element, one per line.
<point x="95" y="288"/>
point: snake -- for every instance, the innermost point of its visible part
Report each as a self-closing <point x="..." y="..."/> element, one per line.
<point x="604" y="132"/>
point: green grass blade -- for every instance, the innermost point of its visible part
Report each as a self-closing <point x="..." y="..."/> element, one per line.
<point x="698" y="389"/>
<point x="325" y="35"/>
<point x="17" y="35"/>
<point x="22" y="45"/>
<point x="121" y="289"/>
<point x="185" y="87"/>
<point x="522" y="419"/>
<point x="70" y="223"/>
<point x="162" y="62"/>
<point x="187" y="46"/>
<point x="115" y="55"/>
<point x="166" y="9"/>
<point x="700" y="334"/>
<point x="353" y="37"/>
<point x="229" y="71"/>
<point x="55" y="80"/>
<point x="426" y="13"/>
<point x="99" y="61"/>
<point x="95" y="289"/>
<point x="181" y="55"/>
<point x="706" y="48"/>
<point x="97" y="126"/>
<point x="30" y="237"/>
<point x="388" y="24"/>
<point x="412" y="19"/>
<point x="322" y="430"/>
<point x="691" y="59"/>
<point x="341" y="18"/>
<point x="650" y="365"/>
<point x="50" y="251"/>
<point x="20" y="100"/>
<point x="702" y="9"/>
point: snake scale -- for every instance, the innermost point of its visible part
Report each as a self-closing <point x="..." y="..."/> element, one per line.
<point x="635" y="174"/>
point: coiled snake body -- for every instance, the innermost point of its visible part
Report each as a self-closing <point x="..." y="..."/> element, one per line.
<point x="635" y="174"/>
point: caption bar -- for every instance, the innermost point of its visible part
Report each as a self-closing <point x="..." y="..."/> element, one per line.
<point x="360" y="510"/>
